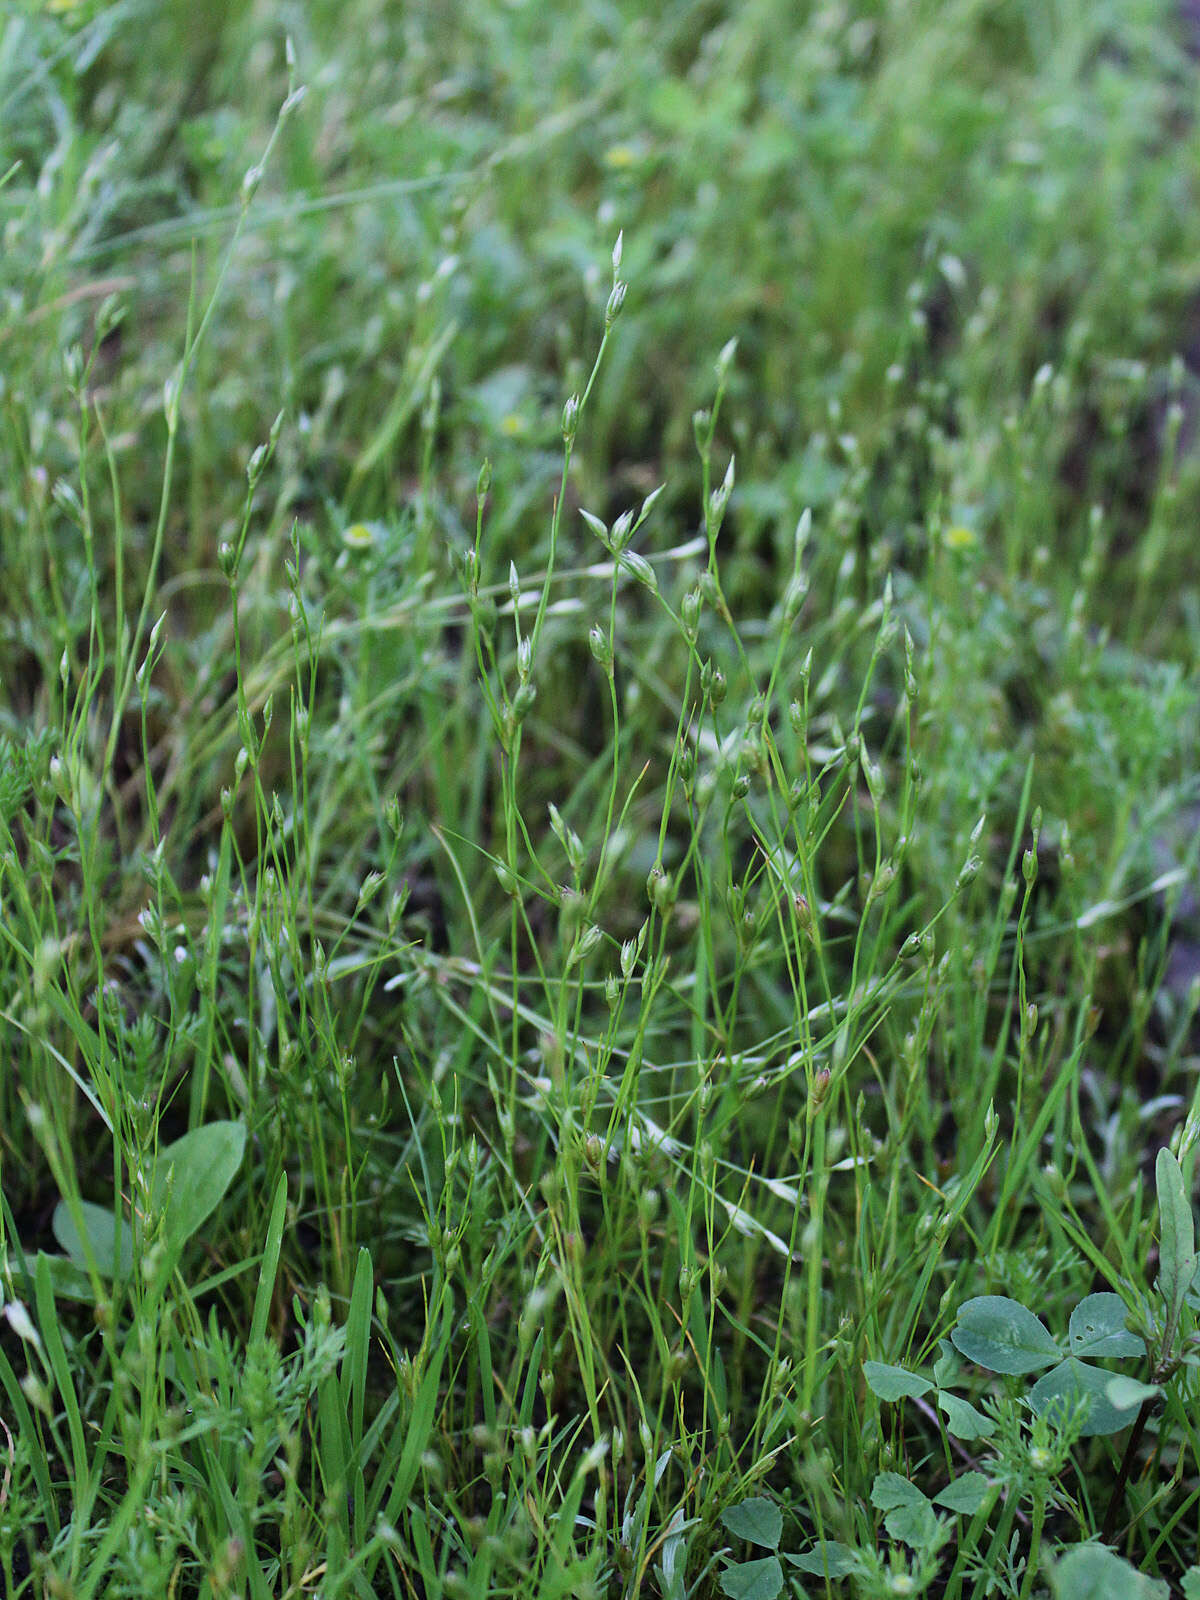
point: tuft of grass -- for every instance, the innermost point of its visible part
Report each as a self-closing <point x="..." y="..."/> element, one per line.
<point x="597" y="802"/>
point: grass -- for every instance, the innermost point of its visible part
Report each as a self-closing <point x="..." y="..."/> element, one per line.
<point x="598" y="721"/>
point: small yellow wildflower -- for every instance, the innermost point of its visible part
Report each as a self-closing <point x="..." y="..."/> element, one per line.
<point x="620" y="157"/>
<point x="358" y="536"/>
<point x="960" y="537"/>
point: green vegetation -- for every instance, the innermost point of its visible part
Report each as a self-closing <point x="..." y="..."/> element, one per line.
<point x="599" y="948"/>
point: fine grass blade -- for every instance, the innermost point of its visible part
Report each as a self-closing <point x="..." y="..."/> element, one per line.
<point x="269" y="1269"/>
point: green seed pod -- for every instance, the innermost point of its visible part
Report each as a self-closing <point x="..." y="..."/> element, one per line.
<point x="601" y="647"/>
<point x="522" y="702"/>
<point x="570" y="419"/>
<point x="689" y="613"/>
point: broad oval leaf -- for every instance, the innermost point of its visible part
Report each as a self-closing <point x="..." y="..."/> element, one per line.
<point x="639" y="568"/>
<point x="1125" y="1393"/>
<point x="962" y="1419"/>
<point x="1098" y="1328"/>
<point x="894" y="1383"/>
<point x="1000" y="1334"/>
<point x="947" y="1366"/>
<point x="891" y="1490"/>
<point x="192" y="1175"/>
<point x="916" y="1526"/>
<point x="829" y="1559"/>
<point x="1074" y="1381"/>
<point x="109" y="1239"/>
<point x="908" y="1514"/>
<point x="753" y="1580"/>
<point x="758" y="1520"/>
<point x="964" y="1494"/>
<point x="68" y="1281"/>
<point x="1090" y="1572"/>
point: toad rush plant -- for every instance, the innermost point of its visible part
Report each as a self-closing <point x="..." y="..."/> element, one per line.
<point x="499" y="1006"/>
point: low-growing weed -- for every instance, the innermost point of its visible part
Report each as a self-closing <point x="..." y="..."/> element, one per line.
<point x="1020" y="1446"/>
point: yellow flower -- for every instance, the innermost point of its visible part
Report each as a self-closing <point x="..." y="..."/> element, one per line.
<point x="358" y="537"/>
<point x="619" y="157"/>
<point x="960" y="537"/>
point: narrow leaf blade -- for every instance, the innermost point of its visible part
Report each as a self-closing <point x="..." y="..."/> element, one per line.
<point x="1177" y="1234"/>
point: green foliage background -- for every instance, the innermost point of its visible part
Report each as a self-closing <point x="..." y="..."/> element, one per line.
<point x="645" y="991"/>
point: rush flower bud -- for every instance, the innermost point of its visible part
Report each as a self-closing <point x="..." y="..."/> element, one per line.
<point x="522" y="701"/>
<point x="881" y="882"/>
<point x="970" y="871"/>
<point x="599" y="528"/>
<point x="250" y="183"/>
<point x="649" y="502"/>
<point x="712" y="683"/>
<point x="795" y="596"/>
<point x="570" y="419"/>
<point x="601" y="648"/>
<point x="717" y="501"/>
<point x="639" y="568"/>
<point x="689" y="613"/>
